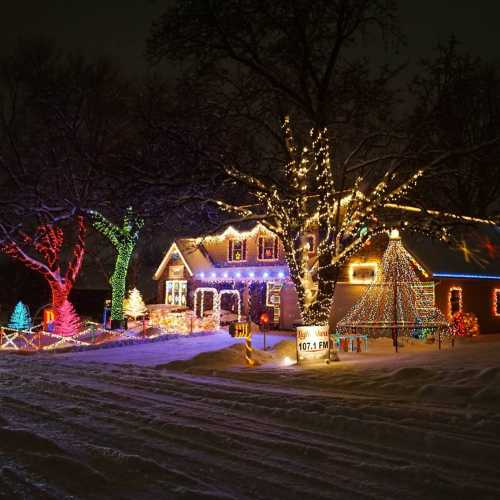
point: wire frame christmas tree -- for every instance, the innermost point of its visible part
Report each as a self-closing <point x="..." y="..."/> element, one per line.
<point x="396" y="303"/>
<point x="20" y="318"/>
<point x="134" y="305"/>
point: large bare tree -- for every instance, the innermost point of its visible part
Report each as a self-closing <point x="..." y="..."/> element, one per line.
<point x="350" y="174"/>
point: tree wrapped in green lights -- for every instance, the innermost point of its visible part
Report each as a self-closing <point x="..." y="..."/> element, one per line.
<point x="124" y="239"/>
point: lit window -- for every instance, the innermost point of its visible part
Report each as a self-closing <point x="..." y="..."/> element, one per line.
<point x="175" y="292"/>
<point x="311" y="243"/>
<point x="237" y="250"/>
<point x="268" y="248"/>
<point x="455" y="300"/>
<point x="496" y="301"/>
<point x="362" y="272"/>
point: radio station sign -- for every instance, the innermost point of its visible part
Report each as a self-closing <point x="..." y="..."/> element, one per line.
<point x="313" y="343"/>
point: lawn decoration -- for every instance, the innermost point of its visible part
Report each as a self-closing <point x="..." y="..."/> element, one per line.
<point x="396" y="303"/>
<point x="67" y="322"/>
<point x="242" y="329"/>
<point x="20" y="318"/>
<point x="464" y="324"/>
<point x="134" y="305"/>
<point x="216" y="303"/>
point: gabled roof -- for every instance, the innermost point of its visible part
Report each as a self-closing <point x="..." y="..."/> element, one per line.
<point x="191" y="255"/>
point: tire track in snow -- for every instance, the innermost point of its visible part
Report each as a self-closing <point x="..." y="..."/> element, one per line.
<point x="181" y="426"/>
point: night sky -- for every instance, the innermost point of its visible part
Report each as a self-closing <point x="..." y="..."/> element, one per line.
<point x="118" y="28"/>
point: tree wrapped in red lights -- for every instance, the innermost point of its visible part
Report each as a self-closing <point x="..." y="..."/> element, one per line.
<point x="47" y="244"/>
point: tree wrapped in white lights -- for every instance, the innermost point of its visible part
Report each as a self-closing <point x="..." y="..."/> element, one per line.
<point x="395" y="302"/>
<point x="342" y="208"/>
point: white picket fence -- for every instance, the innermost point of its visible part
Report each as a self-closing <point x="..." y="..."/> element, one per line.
<point x="36" y="338"/>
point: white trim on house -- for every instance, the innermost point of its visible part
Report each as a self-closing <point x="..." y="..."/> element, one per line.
<point x="161" y="267"/>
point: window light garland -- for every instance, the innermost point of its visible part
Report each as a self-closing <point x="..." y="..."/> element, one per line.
<point x="460" y="300"/>
<point x="496" y="302"/>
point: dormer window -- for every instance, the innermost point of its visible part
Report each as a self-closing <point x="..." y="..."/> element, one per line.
<point x="268" y="248"/>
<point x="237" y="251"/>
<point x="362" y="273"/>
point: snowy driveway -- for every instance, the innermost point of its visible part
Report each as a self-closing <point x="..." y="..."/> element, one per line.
<point x="176" y="349"/>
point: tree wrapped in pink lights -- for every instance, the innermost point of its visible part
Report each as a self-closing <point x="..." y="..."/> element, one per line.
<point x="42" y="254"/>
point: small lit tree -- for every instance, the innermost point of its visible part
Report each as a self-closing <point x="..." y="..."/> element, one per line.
<point x="124" y="239"/>
<point x="20" y="319"/>
<point x="67" y="322"/>
<point x="134" y="305"/>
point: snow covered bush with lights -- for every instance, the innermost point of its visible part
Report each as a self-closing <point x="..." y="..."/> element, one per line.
<point x="464" y="324"/>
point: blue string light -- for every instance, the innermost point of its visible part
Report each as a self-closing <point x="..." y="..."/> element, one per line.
<point x="466" y="276"/>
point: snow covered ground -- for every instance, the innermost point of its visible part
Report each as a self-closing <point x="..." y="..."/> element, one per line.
<point x="420" y="424"/>
<point x="177" y="348"/>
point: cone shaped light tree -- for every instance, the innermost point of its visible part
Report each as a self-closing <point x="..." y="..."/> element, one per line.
<point x="20" y="318"/>
<point x="134" y="305"/>
<point x="67" y="322"/>
<point x="124" y="239"/>
<point x="396" y="300"/>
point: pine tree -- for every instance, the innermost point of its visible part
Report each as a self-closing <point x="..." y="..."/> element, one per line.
<point x="134" y="305"/>
<point x="20" y="319"/>
<point x="67" y="321"/>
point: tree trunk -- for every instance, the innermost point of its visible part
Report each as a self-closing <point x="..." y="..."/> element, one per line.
<point x="119" y="283"/>
<point x="59" y="294"/>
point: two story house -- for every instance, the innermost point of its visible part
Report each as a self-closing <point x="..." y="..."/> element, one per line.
<point x="251" y="261"/>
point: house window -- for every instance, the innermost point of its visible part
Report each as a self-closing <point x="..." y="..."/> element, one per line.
<point x="311" y="243"/>
<point x="175" y="292"/>
<point x="237" y="250"/>
<point x="455" y="300"/>
<point x="496" y="302"/>
<point x="362" y="272"/>
<point x="176" y="272"/>
<point x="268" y="248"/>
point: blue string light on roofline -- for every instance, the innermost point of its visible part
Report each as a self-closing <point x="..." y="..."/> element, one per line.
<point x="238" y="275"/>
<point x="466" y="276"/>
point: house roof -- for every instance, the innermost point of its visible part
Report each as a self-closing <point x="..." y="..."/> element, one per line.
<point x="190" y="253"/>
<point x="479" y="257"/>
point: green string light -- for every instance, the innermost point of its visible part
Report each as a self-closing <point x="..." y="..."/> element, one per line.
<point x="124" y="239"/>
